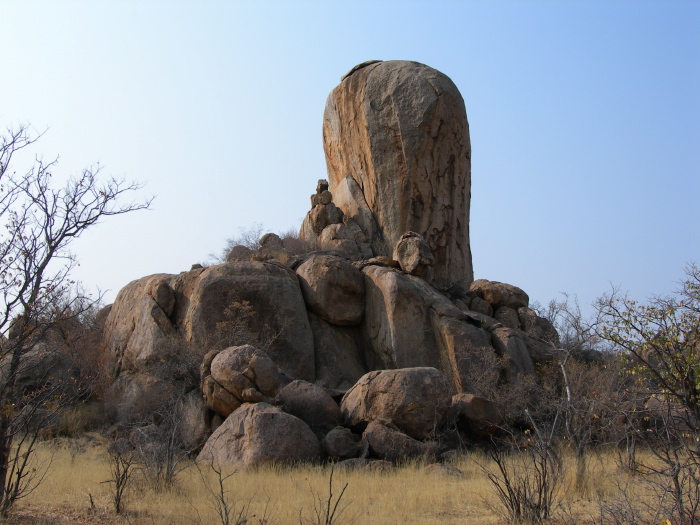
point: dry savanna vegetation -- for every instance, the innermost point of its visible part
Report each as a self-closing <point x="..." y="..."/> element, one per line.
<point x="75" y="491"/>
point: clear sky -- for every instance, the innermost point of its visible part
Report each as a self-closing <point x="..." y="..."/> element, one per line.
<point x="584" y="119"/>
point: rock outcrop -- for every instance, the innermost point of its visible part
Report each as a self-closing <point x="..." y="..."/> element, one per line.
<point x="353" y="350"/>
<point x="398" y="154"/>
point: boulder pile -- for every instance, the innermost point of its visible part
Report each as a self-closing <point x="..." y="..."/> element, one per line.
<point x="376" y="344"/>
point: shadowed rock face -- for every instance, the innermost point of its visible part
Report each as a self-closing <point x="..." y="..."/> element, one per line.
<point x="398" y="154"/>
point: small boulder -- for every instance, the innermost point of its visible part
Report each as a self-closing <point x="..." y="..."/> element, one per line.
<point x="476" y="416"/>
<point x="413" y="254"/>
<point x="507" y="317"/>
<point x="340" y="443"/>
<point x="333" y="289"/>
<point x="244" y="367"/>
<point x="311" y="404"/>
<point x="415" y="400"/>
<point x="499" y="294"/>
<point x="391" y="445"/>
<point x="478" y="305"/>
<point x="260" y="434"/>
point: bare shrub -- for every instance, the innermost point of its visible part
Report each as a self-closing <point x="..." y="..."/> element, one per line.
<point x="527" y="477"/>
<point x="122" y="466"/>
<point x="327" y="509"/>
<point x="229" y="509"/>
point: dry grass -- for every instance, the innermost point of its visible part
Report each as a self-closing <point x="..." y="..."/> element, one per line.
<point x="408" y="495"/>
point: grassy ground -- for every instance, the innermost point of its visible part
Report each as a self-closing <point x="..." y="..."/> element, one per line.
<point x="73" y="492"/>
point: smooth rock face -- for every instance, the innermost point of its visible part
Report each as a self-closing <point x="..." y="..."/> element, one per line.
<point x="467" y="353"/>
<point x="415" y="400"/>
<point x="413" y="254"/>
<point x="333" y="289"/>
<point x="311" y="404"/>
<point x="399" y="129"/>
<point x="339" y="354"/>
<point x="340" y="443"/>
<point x="260" y="434"/>
<point x="218" y="301"/>
<point x="397" y="321"/>
<point x="390" y="445"/>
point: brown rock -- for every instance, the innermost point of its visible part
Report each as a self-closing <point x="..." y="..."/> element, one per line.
<point x="537" y="327"/>
<point x="413" y="254"/>
<point x="386" y="126"/>
<point x="260" y="434"/>
<point x="477" y="304"/>
<point x="499" y="294"/>
<point x="507" y="317"/>
<point x="340" y="443"/>
<point x="217" y="398"/>
<point x="467" y="354"/>
<point x="311" y="404"/>
<point x="333" y="289"/>
<point x="391" y="445"/>
<point x="242" y="368"/>
<point x="339" y="354"/>
<point x="511" y="346"/>
<point x="415" y="400"/>
<point x="476" y="416"/>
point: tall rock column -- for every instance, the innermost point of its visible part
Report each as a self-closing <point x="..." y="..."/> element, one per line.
<point x="396" y="140"/>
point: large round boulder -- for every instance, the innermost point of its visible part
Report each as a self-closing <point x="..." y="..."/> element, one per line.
<point x="260" y="434"/>
<point x="415" y="400"/>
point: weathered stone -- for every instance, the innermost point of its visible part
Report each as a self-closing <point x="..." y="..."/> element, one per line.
<point x="217" y="398"/>
<point x="260" y="434"/>
<point x="346" y="238"/>
<point x="511" y="346"/>
<point x="475" y="416"/>
<point x="477" y="304"/>
<point x="271" y="241"/>
<point x="339" y="354"/>
<point x="244" y="370"/>
<point x="397" y="321"/>
<point x="537" y="327"/>
<point x="507" y="317"/>
<point x="499" y="294"/>
<point x="311" y="404"/>
<point x="259" y="302"/>
<point x="467" y="353"/>
<point x="391" y="445"/>
<point x="415" y="400"/>
<point x="138" y="333"/>
<point x="239" y="253"/>
<point x="43" y="369"/>
<point x="413" y="254"/>
<point x="340" y="443"/>
<point x="400" y="130"/>
<point x="317" y="219"/>
<point x="163" y="295"/>
<point x="333" y="289"/>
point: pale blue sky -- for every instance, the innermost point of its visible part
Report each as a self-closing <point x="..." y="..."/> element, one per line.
<point x="584" y="117"/>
